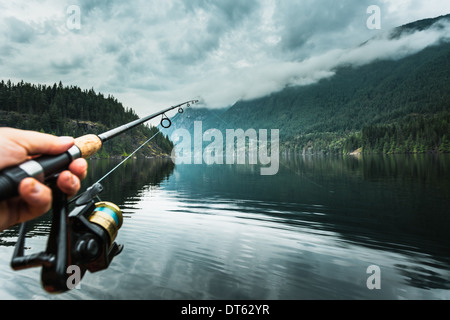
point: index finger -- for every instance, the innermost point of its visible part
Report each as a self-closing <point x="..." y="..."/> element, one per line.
<point x="20" y="144"/>
<point x="40" y="143"/>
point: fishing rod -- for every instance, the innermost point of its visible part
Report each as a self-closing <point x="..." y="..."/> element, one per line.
<point x="45" y="167"/>
<point x="83" y="239"/>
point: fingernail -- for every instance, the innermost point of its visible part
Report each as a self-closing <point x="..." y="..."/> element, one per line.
<point x="66" y="177"/>
<point x="71" y="180"/>
<point x="35" y="187"/>
<point x="66" y="140"/>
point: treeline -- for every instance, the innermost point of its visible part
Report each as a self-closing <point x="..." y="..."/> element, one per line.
<point x="415" y="134"/>
<point x="403" y="101"/>
<point x="71" y="111"/>
<point x="391" y="106"/>
<point x="379" y="93"/>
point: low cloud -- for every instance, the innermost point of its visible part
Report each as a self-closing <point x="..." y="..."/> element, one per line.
<point x="258" y="81"/>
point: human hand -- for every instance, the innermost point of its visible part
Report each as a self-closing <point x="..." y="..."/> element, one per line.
<point x="35" y="199"/>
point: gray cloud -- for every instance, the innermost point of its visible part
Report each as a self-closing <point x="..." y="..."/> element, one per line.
<point x="229" y="13"/>
<point x="160" y="52"/>
<point x="308" y="26"/>
<point x="69" y="64"/>
<point x="19" y="31"/>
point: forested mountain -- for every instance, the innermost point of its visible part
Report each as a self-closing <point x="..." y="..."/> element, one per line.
<point x="383" y="94"/>
<point x="70" y="111"/>
<point x="389" y="106"/>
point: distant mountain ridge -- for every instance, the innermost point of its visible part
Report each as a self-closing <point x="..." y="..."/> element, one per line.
<point x="409" y="99"/>
<point x="419" y="25"/>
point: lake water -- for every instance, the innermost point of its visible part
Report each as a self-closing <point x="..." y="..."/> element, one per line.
<point x="226" y="232"/>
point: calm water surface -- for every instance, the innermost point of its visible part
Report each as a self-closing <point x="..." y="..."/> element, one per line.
<point x="225" y="232"/>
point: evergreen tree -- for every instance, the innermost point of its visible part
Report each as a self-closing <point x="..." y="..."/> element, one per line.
<point x="70" y="111"/>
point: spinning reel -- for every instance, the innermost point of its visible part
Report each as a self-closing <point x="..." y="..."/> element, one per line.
<point x="83" y="239"/>
<point x="80" y="241"/>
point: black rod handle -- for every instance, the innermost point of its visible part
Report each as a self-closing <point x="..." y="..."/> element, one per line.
<point x="45" y="167"/>
<point x="42" y="169"/>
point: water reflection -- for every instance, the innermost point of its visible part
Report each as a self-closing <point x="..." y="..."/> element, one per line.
<point x="127" y="183"/>
<point x="310" y="232"/>
<point x="375" y="205"/>
<point x="131" y="180"/>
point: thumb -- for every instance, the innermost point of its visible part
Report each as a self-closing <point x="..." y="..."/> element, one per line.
<point x="37" y="197"/>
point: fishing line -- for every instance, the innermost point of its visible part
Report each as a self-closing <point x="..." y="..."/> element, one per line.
<point x="143" y="145"/>
<point x="118" y="166"/>
<point x="127" y="158"/>
<point x="131" y="155"/>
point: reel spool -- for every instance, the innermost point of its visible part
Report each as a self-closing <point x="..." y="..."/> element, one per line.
<point x="108" y="216"/>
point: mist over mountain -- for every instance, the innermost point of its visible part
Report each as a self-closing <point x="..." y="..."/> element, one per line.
<point x="397" y="102"/>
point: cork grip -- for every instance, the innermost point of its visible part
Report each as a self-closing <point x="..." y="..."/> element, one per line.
<point x="88" y="145"/>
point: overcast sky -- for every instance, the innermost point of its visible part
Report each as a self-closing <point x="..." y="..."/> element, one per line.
<point x="154" y="54"/>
